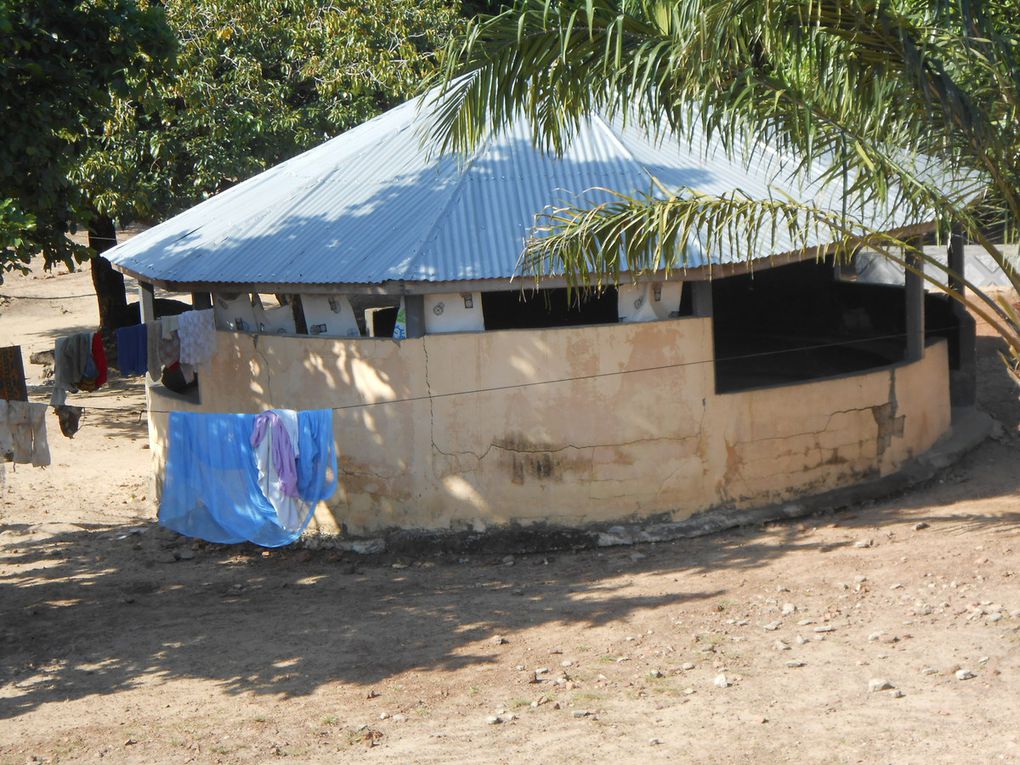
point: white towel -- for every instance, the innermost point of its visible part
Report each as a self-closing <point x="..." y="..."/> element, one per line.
<point x="197" y="330"/>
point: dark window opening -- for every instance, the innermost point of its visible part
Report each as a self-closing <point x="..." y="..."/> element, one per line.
<point x="376" y="314"/>
<point x="796" y="323"/>
<point x="941" y="320"/>
<point x="533" y="309"/>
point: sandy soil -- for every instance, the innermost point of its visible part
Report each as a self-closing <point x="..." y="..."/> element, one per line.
<point x="120" y="642"/>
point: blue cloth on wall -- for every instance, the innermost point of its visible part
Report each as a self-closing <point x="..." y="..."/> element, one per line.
<point x="133" y="350"/>
<point x="211" y="488"/>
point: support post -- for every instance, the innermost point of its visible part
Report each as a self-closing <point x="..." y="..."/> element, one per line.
<point x="963" y="344"/>
<point x="914" y="294"/>
<point x="147" y="306"/>
<point x="12" y="376"/>
<point x="414" y="311"/>
<point x="701" y="298"/>
<point x="147" y="301"/>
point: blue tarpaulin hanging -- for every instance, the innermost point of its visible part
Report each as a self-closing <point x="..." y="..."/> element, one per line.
<point x="211" y="488"/>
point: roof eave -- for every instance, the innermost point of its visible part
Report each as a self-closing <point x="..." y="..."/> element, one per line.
<point x="422" y="287"/>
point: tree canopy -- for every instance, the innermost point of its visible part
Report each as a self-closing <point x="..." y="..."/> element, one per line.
<point x="257" y="81"/>
<point x="122" y="109"/>
<point x="912" y="104"/>
<point x="61" y="65"/>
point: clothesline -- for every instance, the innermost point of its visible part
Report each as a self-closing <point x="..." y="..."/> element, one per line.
<point x="46" y="297"/>
<point x="575" y="378"/>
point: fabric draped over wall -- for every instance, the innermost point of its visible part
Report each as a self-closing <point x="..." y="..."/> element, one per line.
<point x="212" y="487"/>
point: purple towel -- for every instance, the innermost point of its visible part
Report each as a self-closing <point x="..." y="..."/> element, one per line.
<point x="282" y="450"/>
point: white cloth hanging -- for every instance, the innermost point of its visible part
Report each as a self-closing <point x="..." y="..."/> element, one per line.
<point x="197" y="331"/>
<point x="291" y="510"/>
<point x="23" y="433"/>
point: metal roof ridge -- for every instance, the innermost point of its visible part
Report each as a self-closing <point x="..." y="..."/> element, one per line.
<point x="608" y="129"/>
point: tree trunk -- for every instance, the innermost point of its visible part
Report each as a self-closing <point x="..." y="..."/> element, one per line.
<point x="109" y="284"/>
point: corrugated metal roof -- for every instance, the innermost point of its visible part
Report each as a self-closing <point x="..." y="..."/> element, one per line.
<point x="375" y="205"/>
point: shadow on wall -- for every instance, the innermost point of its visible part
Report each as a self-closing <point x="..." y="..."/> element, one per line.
<point x="997" y="393"/>
<point x="477" y="426"/>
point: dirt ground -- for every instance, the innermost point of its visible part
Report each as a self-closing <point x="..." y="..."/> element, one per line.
<point x="122" y="643"/>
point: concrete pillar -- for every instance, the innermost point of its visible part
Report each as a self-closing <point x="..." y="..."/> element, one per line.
<point x="914" y="294"/>
<point x="147" y="305"/>
<point x="963" y="344"/>
<point x="701" y="298"/>
<point x="414" y="311"/>
<point x="147" y="302"/>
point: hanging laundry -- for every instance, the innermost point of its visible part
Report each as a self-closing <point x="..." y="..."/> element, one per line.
<point x="212" y="488"/>
<point x="94" y="374"/>
<point x="170" y="326"/>
<point x="275" y="440"/>
<point x="132" y="347"/>
<point x="6" y="437"/>
<point x="23" y="433"/>
<point x="177" y="377"/>
<point x="69" y="418"/>
<point x="71" y="356"/>
<point x="197" y="332"/>
<point x="153" y="336"/>
<point x="99" y="358"/>
<point x="169" y="348"/>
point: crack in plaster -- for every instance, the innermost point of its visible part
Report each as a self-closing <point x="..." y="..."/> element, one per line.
<point x="577" y="447"/>
<point x="428" y="393"/>
<point x="701" y="432"/>
<point x="367" y="472"/>
<point x="818" y="432"/>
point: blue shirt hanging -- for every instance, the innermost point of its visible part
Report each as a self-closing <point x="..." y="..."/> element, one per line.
<point x="132" y="350"/>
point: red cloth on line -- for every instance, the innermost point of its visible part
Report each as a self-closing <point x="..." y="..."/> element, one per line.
<point x="99" y="357"/>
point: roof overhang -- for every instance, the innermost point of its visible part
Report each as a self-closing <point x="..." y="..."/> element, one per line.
<point x="523" y="282"/>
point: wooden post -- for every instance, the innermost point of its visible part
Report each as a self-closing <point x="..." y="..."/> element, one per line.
<point x="701" y="298"/>
<point x="963" y="346"/>
<point x="956" y="262"/>
<point x="414" y="312"/>
<point x="147" y="302"/>
<point x="12" y="374"/>
<point x="914" y="298"/>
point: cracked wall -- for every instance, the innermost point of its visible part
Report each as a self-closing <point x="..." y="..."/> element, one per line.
<point x="570" y="425"/>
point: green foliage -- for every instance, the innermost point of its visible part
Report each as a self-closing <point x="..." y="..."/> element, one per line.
<point x="61" y="63"/>
<point x="911" y="105"/>
<point x="257" y="82"/>
<point x="126" y="109"/>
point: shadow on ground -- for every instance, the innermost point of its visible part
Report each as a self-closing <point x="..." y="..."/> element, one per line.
<point x="87" y="611"/>
<point x="92" y="611"/>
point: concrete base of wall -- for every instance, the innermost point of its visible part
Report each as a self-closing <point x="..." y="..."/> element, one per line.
<point x="970" y="427"/>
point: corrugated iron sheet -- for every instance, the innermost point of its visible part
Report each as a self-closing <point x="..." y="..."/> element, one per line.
<point x="375" y="205"/>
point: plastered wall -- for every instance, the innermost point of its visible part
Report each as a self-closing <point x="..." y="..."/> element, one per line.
<point x="568" y="425"/>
